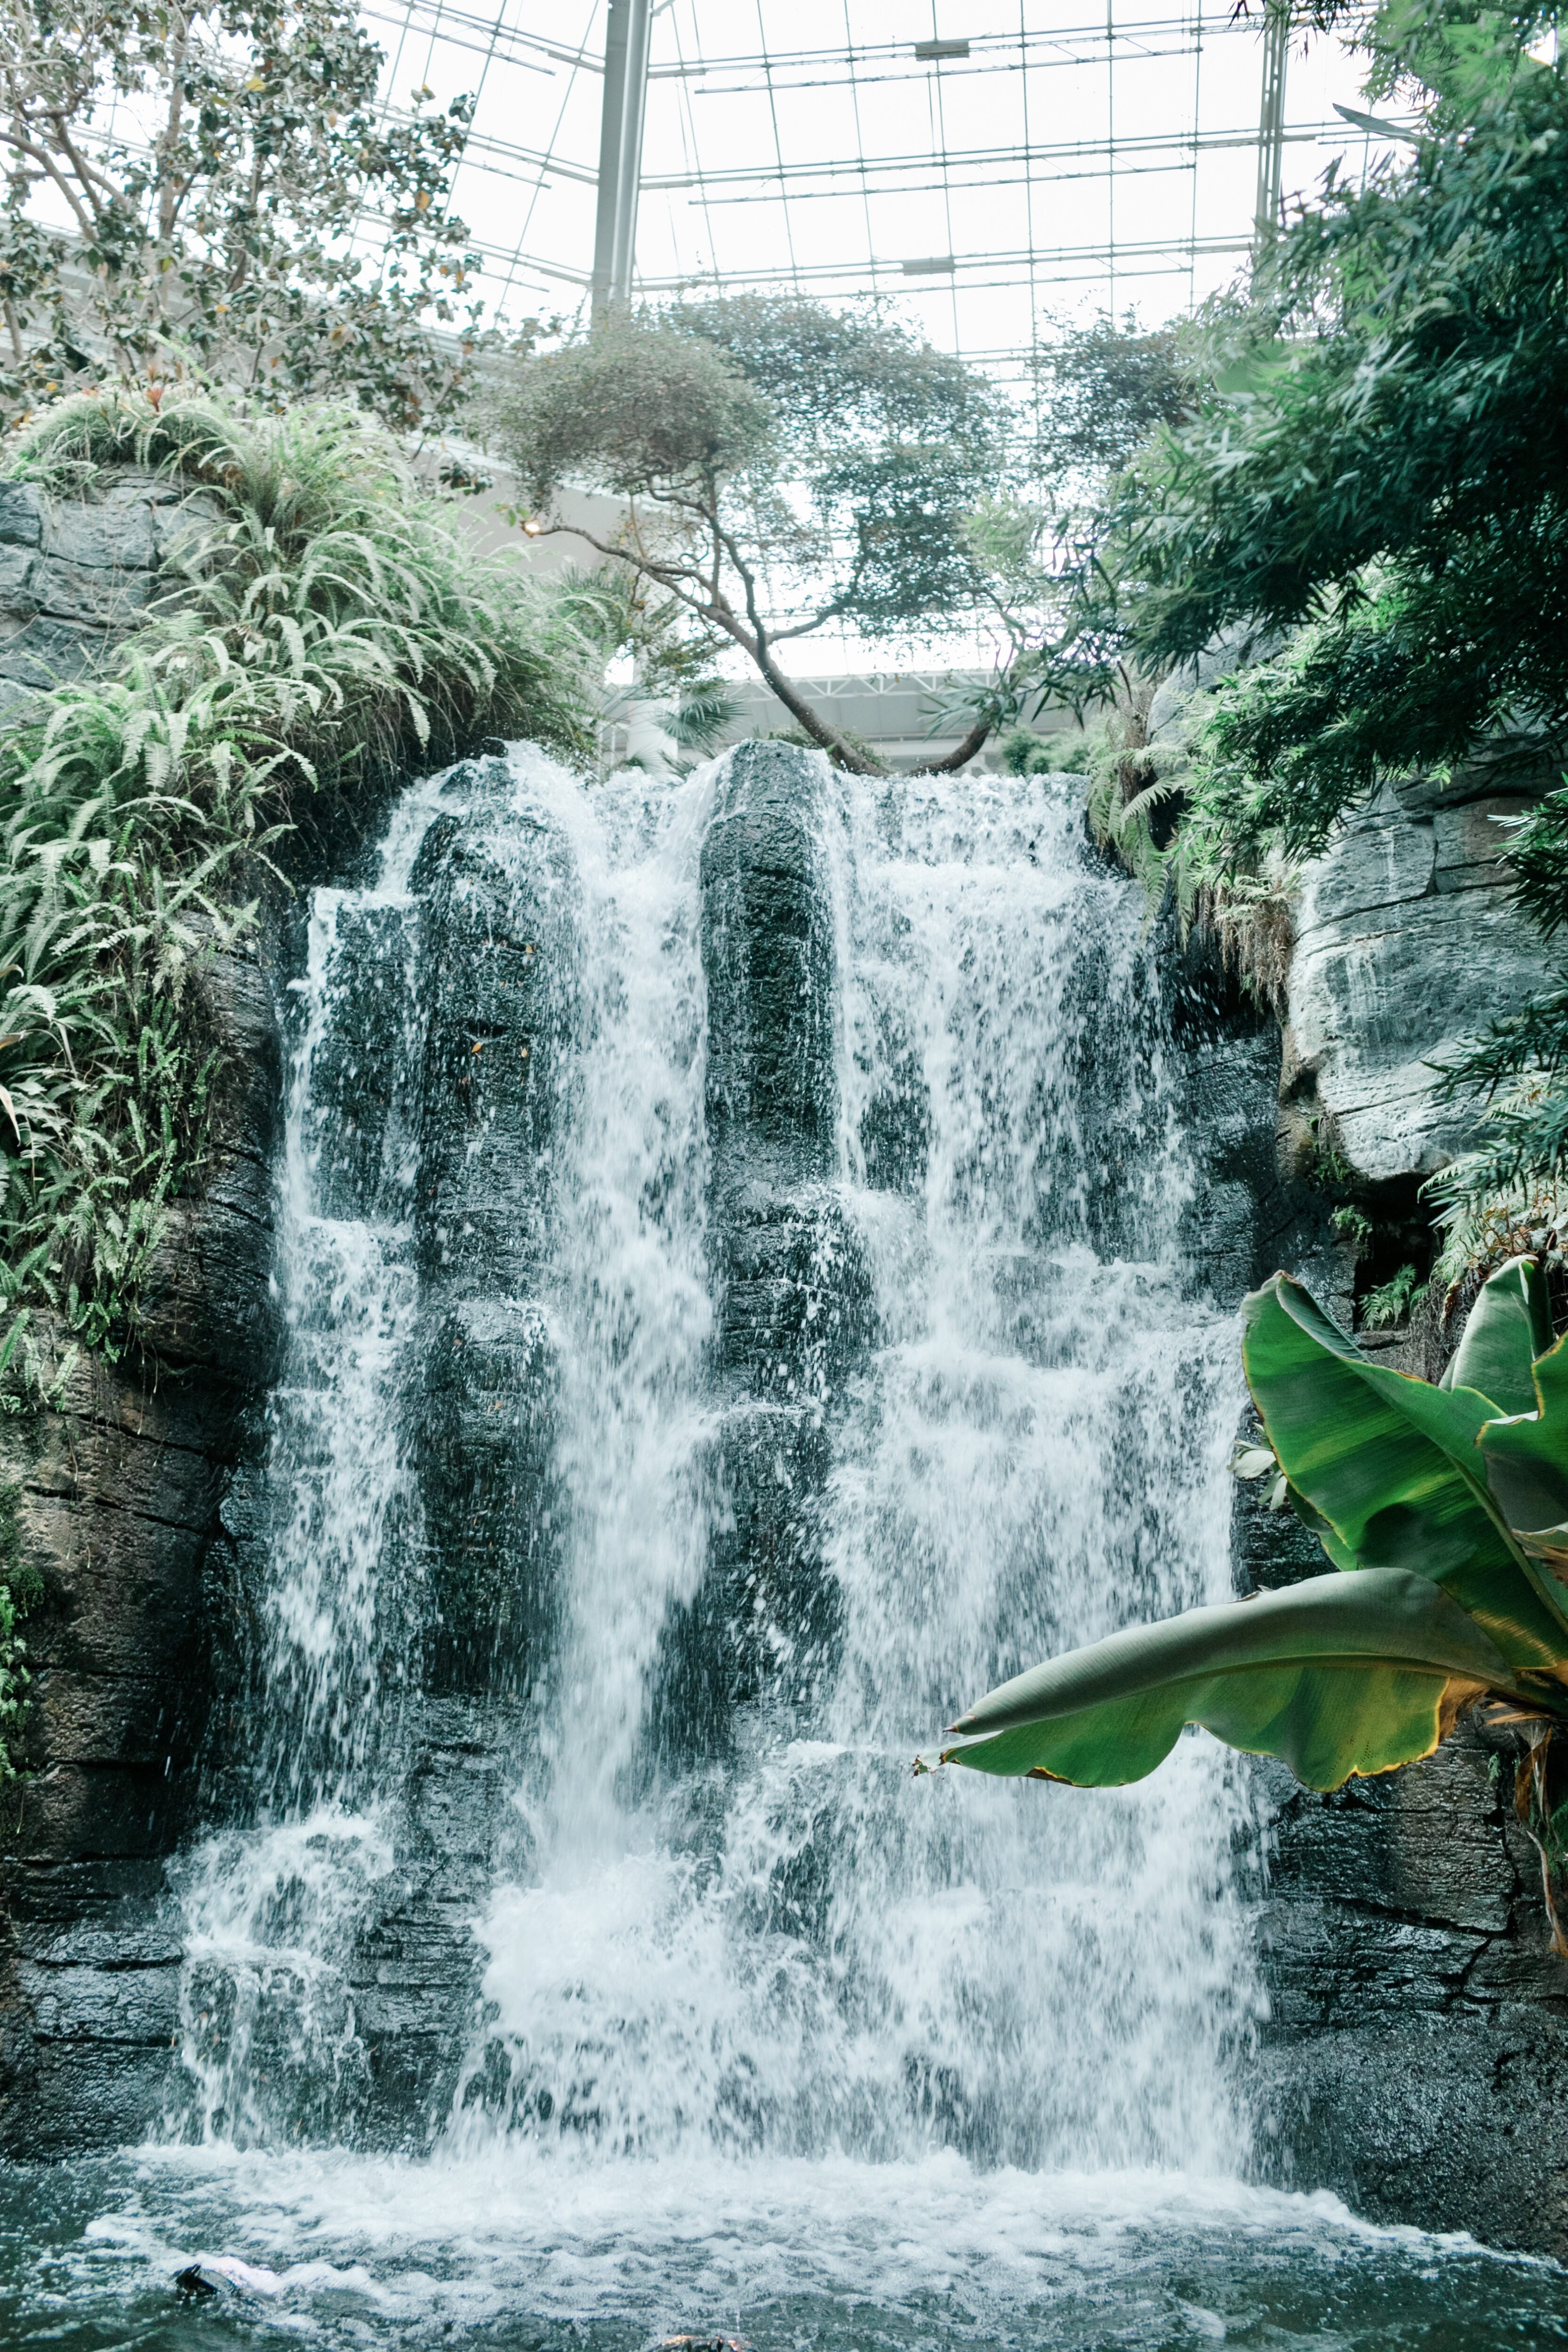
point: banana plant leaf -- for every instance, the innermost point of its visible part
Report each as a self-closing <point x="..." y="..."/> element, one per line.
<point x="1388" y="1470"/>
<point x="1525" y="1456"/>
<point x="1349" y="1673"/>
<point x="1506" y="1329"/>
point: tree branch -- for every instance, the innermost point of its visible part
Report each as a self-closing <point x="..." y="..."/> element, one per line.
<point x="972" y="743"/>
<point x="794" y="702"/>
<point x="42" y="156"/>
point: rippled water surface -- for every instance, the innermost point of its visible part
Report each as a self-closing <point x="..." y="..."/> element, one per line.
<point x="823" y="2254"/>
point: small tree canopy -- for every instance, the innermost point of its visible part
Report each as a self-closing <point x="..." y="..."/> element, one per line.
<point x="640" y="410"/>
<point x="213" y="234"/>
<point x="1101" y="390"/>
<point x="785" y="466"/>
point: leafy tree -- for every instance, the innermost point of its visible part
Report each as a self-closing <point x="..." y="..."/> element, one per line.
<point x="1383" y="457"/>
<point x="785" y="467"/>
<point x="182" y="191"/>
<point x="1099" y="392"/>
<point x="1375" y="473"/>
<point x="1443" y="1513"/>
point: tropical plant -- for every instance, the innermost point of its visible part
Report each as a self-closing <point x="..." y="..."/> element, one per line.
<point x="1444" y="1511"/>
<point x="327" y="630"/>
<point x="785" y="469"/>
<point x="673" y="710"/>
<point x="1360" y="488"/>
<point x="215" y="162"/>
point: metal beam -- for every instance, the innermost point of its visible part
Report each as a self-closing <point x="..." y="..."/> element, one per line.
<point x="1271" y="130"/>
<point x="620" y="152"/>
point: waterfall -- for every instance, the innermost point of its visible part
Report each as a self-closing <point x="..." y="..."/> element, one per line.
<point x="732" y="1255"/>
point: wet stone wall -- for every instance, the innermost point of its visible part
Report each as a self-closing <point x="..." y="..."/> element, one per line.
<point x="762" y="1622"/>
<point x="1414" y="2056"/>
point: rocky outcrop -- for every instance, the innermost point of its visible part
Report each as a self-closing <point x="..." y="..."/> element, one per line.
<point x="76" y="573"/>
<point x="114" y="1472"/>
<point x="1412" y="2058"/>
<point x="112" y="1468"/>
<point x="787" y="1278"/>
<point x="498" y="1016"/>
<point x="1408" y="945"/>
<point x="1418" y="2049"/>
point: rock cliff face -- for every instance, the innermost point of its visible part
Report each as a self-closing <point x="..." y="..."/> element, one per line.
<point x="764" y="1615"/>
<point x="113" y="1476"/>
<point x="1406" y="945"/>
<point x="1414" y="2059"/>
<point x="74" y="574"/>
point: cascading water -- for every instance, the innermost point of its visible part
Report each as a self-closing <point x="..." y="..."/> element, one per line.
<point x="800" y="1948"/>
<point x="272" y="1903"/>
<point x="732" y="1257"/>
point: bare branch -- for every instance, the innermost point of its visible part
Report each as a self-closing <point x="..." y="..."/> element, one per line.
<point x="41" y="157"/>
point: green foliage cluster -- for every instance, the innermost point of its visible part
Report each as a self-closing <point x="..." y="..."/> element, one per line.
<point x="1101" y="391"/>
<point x="327" y="630"/>
<point x="1444" y="1512"/>
<point x="323" y="629"/>
<point x="785" y="468"/>
<point x="1364" y="497"/>
<point x="216" y="160"/>
<point x="1068" y="753"/>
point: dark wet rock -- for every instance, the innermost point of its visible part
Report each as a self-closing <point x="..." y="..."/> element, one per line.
<point x="491" y="1507"/>
<point x="359" y="1147"/>
<point x="497" y="1011"/>
<point x="193" y="2284"/>
<point x="794" y="1296"/>
<point x="1412" y="2058"/>
<point x="1415" y="2061"/>
<point x="768" y="954"/>
<point x="117" y="1481"/>
<point x="500" y="1015"/>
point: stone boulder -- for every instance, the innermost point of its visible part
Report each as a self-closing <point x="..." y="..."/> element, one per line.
<point x="1408" y="945"/>
<point x="77" y="573"/>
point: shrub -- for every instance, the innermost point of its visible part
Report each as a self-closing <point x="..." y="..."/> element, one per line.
<point x="329" y="631"/>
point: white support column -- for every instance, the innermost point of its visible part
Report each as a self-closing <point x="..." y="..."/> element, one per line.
<point x="620" y="152"/>
<point x="1271" y="128"/>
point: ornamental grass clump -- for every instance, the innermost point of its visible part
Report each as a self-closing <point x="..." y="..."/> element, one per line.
<point x="322" y="630"/>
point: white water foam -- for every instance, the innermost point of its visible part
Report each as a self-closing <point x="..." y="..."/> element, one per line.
<point x="467" y="2243"/>
<point x="803" y="1950"/>
<point x="793" y="1950"/>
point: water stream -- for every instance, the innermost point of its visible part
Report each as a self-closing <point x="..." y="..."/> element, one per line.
<point x="732" y="2023"/>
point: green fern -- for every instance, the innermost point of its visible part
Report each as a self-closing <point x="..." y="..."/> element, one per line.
<point x="323" y="634"/>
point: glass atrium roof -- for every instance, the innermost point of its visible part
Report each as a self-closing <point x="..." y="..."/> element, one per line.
<point x="993" y="166"/>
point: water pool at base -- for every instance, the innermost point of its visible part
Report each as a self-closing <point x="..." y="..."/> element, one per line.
<point x="821" y="2256"/>
<point x="798" y="2257"/>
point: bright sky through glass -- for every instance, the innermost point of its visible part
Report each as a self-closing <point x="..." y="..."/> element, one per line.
<point x="1069" y="163"/>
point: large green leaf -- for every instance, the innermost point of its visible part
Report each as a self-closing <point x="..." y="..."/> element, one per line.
<point x="1343" y="1674"/>
<point x="1392" y="1464"/>
<point x="1509" y="1325"/>
<point x="1526" y="1456"/>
